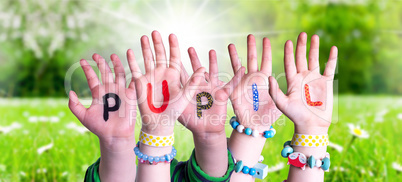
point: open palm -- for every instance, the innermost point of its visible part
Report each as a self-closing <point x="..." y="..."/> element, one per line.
<point x="242" y="97"/>
<point x="120" y="123"/>
<point x="310" y="106"/>
<point x="212" y="120"/>
<point x="157" y="74"/>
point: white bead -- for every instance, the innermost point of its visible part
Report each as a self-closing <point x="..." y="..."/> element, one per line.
<point x="273" y="130"/>
<point x="240" y="128"/>
<point x="261" y="158"/>
<point x="255" y="133"/>
<point x="318" y="163"/>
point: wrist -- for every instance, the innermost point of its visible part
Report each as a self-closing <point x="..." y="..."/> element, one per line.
<point x="310" y="130"/>
<point x="158" y="129"/>
<point x="210" y="138"/>
<point x="116" y="144"/>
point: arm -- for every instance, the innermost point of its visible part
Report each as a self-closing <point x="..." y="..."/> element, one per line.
<point x="243" y="147"/>
<point x="296" y="104"/>
<point x="159" y="112"/>
<point x="208" y="128"/>
<point x="116" y="132"/>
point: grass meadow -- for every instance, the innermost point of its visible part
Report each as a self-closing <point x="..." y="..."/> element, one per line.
<point x="40" y="140"/>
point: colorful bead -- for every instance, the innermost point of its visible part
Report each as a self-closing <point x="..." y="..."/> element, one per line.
<point x="255" y="133"/>
<point x="233" y="119"/>
<point x="268" y="134"/>
<point x="286" y="151"/>
<point x="318" y="163"/>
<point x="297" y="159"/>
<point x="153" y="160"/>
<point x="311" y="161"/>
<point x="261" y="171"/>
<point x="252" y="171"/>
<point x="247" y="131"/>
<point x="261" y="158"/>
<point x="245" y="170"/>
<point x="240" y="128"/>
<point x="239" y="166"/>
<point x="325" y="164"/>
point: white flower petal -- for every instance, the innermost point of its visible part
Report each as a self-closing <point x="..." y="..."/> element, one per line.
<point x="45" y="148"/>
<point x="335" y="146"/>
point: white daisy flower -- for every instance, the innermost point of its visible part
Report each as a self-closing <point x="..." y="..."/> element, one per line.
<point x="33" y="119"/>
<point x="355" y="130"/>
<point x="8" y="129"/>
<point x="77" y="128"/>
<point x="276" y="167"/>
<point x="65" y="173"/>
<point x="397" y="166"/>
<point x="54" y="119"/>
<point x="22" y="173"/>
<point x="341" y="169"/>
<point x="2" y="167"/>
<point x="45" y="148"/>
<point x="335" y="146"/>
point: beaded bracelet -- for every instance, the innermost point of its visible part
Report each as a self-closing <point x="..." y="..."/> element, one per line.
<point x="298" y="159"/>
<point x="248" y="131"/>
<point x="259" y="170"/>
<point x="152" y="160"/>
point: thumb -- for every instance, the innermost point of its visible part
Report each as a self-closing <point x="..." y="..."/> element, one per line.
<point x="276" y="93"/>
<point x="76" y="107"/>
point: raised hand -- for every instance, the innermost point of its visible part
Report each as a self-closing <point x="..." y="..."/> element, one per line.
<point x="205" y="116"/>
<point x="309" y="98"/>
<point x="242" y="99"/>
<point x="161" y="98"/>
<point x="111" y="117"/>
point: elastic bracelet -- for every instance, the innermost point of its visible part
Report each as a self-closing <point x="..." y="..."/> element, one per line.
<point x="310" y="140"/>
<point x="298" y="159"/>
<point x="156" y="141"/>
<point x="248" y="131"/>
<point x="152" y="160"/>
<point x="259" y="171"/>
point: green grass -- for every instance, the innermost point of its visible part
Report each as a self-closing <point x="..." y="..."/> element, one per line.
<point x="367" y="160"/>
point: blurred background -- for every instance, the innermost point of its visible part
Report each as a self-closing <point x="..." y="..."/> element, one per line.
<point x="41" y="43"/>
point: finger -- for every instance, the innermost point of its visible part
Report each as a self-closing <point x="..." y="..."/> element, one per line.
<point x="234" y="58"/>
<point x="106" y="73"/>
<point x="147" y="54"/>
<point x="213" y="67"/>
<point x="232" y="84"/>
<point x="331" y="64"/>
<point x="195" y="62"/>
<point x="189" y="90"/>
<point x="266" y="64"/>
<point x="160" y="53"/>
<point x="290" y="68"/>
<point x="76" y="107"/>
<point x="183" y="75"/>
<point x="175" y="61"/>
<point x="301" y="48"/>
<point x="119" y="72"/>
<point x="313" y="58"/>
<point x="92" y="78"/>
<point x="252" y="63"/>
<point x="132" y="63"/>
<point x="276" y="94"/>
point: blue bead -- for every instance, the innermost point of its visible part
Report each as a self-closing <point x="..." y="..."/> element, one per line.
<point x="156" y="159"/>
<point x="252" y="171"/>
<point x="248" y="131"/>
<point x="286" y="152"/>
<point x="268" y="134"/>
<point x="162" y="159"/>
<point x="325" y="164"/>
<point x="140" y="155"/>
<point x="245" y="170"/>
<point x="136" y="152"/>
<point x="235" y="124"/>
<point x="233" y="119"/>
<point x="167" y="157"/>
<point x="150" y="159"/>
<point x="271" y="127"/>
<point x="145" y="157"/>
<point x="287" y="143"/>
<point x="136" y="149"/>
<point x="311" y="161"/>
<point x="172" y="156"/>
<point x="239" y="166"/>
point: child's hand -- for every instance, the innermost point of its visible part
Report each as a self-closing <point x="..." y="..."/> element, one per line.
<point x="120" y="122"/>
<point x="206" y="117"/>
<point x="311" y="114"/>
<point x="212" y="119"/>
<point x="160" y="119"/>
<point x="111" y="117"/>
<point x="242" y="96"/>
